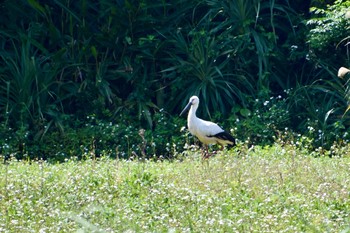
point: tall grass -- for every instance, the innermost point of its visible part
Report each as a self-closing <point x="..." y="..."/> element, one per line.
<point x="274" y="189"/>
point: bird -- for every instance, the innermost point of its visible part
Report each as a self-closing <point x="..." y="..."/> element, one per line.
<point x="342" y="72"/>
<point x="207" y="132"/>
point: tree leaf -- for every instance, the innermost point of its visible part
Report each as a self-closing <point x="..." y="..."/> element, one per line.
<point x="245" y="112"/>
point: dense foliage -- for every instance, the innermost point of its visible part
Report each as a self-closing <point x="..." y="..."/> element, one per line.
<point x="80" y="76"/>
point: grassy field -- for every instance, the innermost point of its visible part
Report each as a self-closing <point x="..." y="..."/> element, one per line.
<point x="271" y="189"/>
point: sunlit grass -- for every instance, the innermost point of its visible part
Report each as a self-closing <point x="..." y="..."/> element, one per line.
<point x="275" y="189"/>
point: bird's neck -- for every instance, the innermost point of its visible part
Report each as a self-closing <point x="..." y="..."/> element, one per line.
<point x="192" y="113"/>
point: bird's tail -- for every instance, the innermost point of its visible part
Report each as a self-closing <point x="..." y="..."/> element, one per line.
<point x="227" y="137"/>
<point x="230" y="146"/>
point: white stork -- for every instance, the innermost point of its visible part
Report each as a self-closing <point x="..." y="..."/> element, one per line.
<point x="207" y="132"/>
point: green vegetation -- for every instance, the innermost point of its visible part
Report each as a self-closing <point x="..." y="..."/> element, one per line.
<point x="89" y="75"/>
<point x="90" y="137"/>
<point x="271" y="189"/>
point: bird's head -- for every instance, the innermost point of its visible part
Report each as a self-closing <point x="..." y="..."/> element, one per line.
<point x="194" y="100"/>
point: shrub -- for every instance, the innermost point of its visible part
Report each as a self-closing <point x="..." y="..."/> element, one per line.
<point x="262" y="121"/>
<point x="329" y="32"/>
<point x="94" y="137"/>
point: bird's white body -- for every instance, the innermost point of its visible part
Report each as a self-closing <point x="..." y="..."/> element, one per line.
<point x="207" y="132"/>
<point x="204" y="130"/>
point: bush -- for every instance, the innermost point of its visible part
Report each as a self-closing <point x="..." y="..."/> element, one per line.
<point x="262" y="121"/>
<point x="95" y="137"/>
<point x="329" y="32"/>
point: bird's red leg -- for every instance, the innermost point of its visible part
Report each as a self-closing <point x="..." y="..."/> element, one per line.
<point x="203" y="151"/>
<point x="206" y="152"/>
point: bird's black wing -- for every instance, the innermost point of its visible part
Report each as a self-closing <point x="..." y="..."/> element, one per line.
<point x="225" y="136"/>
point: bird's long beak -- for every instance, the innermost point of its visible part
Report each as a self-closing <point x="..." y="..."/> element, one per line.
<point x="186" y="108"/>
